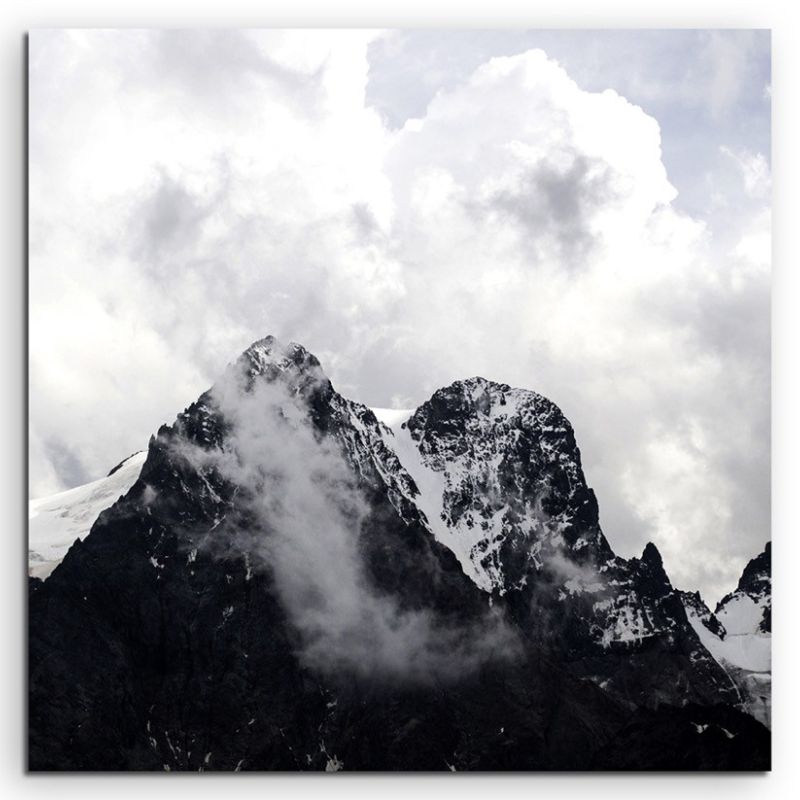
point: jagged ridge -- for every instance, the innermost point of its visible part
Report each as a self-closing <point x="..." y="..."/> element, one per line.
<point x="211" y="666"/>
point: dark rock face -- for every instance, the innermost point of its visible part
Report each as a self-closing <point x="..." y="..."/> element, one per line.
<point x="277" y="592"/>
<point x="693" y="737"/>
<point x="756" y="579"/>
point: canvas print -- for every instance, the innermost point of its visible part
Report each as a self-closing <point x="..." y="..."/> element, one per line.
<point x="399" y="400"/>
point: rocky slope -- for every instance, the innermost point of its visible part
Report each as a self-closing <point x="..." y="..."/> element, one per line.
<point x="292" y="584"/>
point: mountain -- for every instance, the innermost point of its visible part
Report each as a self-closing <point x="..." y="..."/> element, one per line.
<point x="290" y="583"/>
<point x="738" y="633"/>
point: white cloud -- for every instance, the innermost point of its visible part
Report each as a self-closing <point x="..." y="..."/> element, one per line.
<point x="192" y="192"/>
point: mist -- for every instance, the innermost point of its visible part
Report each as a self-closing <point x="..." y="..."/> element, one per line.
<point x="305" y="516"/>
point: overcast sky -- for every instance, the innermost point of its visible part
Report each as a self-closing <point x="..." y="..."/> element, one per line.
<point x="581" y="213"/>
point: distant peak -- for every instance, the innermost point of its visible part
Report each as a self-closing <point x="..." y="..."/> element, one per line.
<point x="756" y="578"/>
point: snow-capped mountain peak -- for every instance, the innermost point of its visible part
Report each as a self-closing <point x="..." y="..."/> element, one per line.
<point x="270" y="359"/>
<point x="500" y="479"/>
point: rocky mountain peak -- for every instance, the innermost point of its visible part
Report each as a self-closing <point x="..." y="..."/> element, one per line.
<point x="268" y="356"/>
<point x="756" y="579"/>
<point x="478" y="405"/>
<point x="651" y="573"/>
<point x="270" y="360"/>
<point x="652" y="557"/>
<point x="504" y="473"/>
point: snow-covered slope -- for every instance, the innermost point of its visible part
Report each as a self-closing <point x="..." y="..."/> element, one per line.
<point x="738" y="633"/>
<point x="55" y="522"/>
<point x="392" y="417"/>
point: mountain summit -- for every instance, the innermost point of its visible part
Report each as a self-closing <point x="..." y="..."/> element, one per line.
<point x="291" y="583"/>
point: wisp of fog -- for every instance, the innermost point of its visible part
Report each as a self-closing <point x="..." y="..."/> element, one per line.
<point x="305" y="517"/>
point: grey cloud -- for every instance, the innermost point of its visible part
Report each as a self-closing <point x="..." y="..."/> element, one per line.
<point x="554" y="208"/>
<point x="365" y="224"/>
<point x="66" y="463"/>
<point x="209" y="67"/>
<point x="170" y="218"/>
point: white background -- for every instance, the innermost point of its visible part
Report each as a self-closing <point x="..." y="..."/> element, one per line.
<point x="784" y="781"/>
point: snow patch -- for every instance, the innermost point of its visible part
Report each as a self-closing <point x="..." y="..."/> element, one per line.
<point x="747" y="649"/>
<point x="741" y="614"/>
<point x="392" y="418"/>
